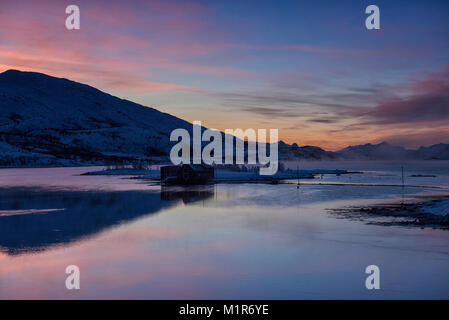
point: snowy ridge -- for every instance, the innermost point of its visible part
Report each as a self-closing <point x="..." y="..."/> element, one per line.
<point x="48" y="121"/>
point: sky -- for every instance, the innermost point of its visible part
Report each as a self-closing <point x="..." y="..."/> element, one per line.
<point x="311" y="69"/>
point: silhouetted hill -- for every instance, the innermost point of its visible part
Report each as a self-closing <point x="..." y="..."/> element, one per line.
<point x="58" y="121"/>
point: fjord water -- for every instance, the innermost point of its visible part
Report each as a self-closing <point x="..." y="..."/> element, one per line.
<point x="133" y="239"/>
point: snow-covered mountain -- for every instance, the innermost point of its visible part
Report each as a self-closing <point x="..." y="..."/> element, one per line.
<point x="46" y="121"/>
<point x="293" y="151"/>
<point x="437" y="151"/>
<point x="370" y="151"/>
<point x="381" y="151"/>
<point x="386" y="151"/>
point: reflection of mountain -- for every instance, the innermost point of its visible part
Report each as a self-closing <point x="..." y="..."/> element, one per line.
<point x="186" y="194"/>
<point x="84" y="214"/>
<point x="81" y="214"/>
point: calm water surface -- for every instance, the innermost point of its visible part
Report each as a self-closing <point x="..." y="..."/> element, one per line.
<point x="134" y="239"/>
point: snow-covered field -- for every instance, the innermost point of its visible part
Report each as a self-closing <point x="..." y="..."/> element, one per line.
<point x="221" y="175"/>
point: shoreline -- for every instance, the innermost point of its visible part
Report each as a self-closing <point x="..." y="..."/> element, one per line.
<point x="415" y="212"/>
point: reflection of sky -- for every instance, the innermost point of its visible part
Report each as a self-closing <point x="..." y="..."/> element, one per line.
<point x="309" y="68"/>
<point x="243" y="241"/>
<point x="204" y="252"/>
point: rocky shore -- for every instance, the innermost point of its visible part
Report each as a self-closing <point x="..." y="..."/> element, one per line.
<point x="427" y="211"/>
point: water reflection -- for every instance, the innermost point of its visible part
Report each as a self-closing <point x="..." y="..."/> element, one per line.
<point x="188" y="194"/>
<point x="33" y="220"/>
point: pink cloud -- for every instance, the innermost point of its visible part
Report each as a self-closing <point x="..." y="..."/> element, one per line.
<point x="429" y="101"/>
<point x="110" y="50"/>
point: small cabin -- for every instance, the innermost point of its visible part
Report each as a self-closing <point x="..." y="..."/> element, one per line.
<point x="187" y="174"/>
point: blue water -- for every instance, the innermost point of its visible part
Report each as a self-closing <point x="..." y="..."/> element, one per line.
<point x="134" y="239"/>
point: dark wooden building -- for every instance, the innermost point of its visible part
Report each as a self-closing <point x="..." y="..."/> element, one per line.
<point x="187" y="174"/>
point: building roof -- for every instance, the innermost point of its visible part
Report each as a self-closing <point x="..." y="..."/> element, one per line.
<point x="197" y="167"/>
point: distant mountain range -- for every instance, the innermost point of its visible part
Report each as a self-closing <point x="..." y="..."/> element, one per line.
<point x="381" y="151"/>
<point x="48" y="121"/>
